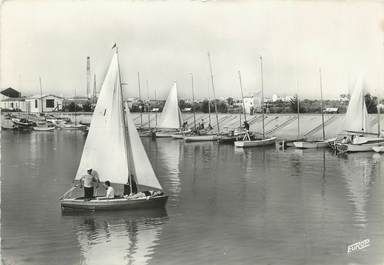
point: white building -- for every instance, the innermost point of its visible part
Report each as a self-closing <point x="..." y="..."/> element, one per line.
<point x="14" y="104"/>
<point x="252" y="103"/>
<point x="44" y="103"/>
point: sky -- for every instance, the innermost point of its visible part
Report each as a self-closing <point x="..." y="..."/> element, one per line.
<point x="166" y="41"/>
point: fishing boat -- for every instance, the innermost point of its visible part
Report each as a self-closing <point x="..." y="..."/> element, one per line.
<point x="201" y="138"/>
<point x="44" y="127"/>
<point x="116" y="154"/>
<point x="311" y="144"/>
<point x="378" y="149"/>
<point x="314" y="144"/>
<point x="247" y="141"/>
<point x="170" y="120"/>
<point x="72" y="126"/>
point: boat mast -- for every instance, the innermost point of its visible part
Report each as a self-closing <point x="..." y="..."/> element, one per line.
<point x="214" y="95"/>
<point x="140" y="107"/>
<point x="322" y="106"/>
<point x="149" y="113"/>
<point x="378" y="117"/>
<point x="41" y="96"/>
<point x="129" y="154"/>
<point x="242" y="98"/>
<point x="298" y="109"/>
<point x="193" y="103"/>
<point x="262" y="94"/>
<point x="156" y="110"/>
<point x="209" y="104"/>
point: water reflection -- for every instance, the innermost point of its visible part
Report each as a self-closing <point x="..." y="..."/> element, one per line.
<point x="357" y="172"/>
<point x="167" y="156"/>
<point x="117" y="237"/>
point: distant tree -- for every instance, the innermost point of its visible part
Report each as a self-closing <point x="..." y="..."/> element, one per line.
<point x="72" y="107"/>
<point x="230" y="101"/>
<point x="371" y="103"/>
<point x="222" y="106"/>
<point x="87" y="107"/>
<point x="293" y="105"/>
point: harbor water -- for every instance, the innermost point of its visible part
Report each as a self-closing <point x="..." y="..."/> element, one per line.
<point x="226" y="206"/>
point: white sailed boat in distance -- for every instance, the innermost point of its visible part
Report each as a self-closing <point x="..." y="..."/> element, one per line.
<point x="170" y="120"/>
<point x="356" y="125"/>
<point x="116" y="154"/>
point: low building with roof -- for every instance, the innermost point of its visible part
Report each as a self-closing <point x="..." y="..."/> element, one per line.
<point x="44" y="103"/>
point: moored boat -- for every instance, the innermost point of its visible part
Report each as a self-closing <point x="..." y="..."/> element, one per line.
<point x="378" y="149"/>
<point x="311" y="144"/>
<point x="255" y="143"/>
<point x="201" y="138"/>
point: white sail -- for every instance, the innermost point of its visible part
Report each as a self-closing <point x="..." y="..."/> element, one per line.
<point x="356" y="118"/>
<point x="171" y="116"/>
<point x="142" y="166"/>
<point x="105" y="148"/>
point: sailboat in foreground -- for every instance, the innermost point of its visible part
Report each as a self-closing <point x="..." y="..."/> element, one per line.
<point x="116" y="154"/>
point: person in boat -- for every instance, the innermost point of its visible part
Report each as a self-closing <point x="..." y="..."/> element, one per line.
<point x="110" y="192"/>
<point x="246" y="125"/>
<point x="210" y="127"/>
<point x="88" y="181"/>
<point x="185" y="125"/>
<point x="201" y="126"/>
<point x="131" y="186"/>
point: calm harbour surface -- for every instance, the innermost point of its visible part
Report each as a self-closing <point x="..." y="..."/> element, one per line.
<point x="226" y="206"/>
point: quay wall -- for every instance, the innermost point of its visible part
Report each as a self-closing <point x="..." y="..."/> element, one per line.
<point x="280" y="125"/>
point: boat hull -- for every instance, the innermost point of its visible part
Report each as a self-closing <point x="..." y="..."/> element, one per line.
<point x="114" y="204"/>
<point x="255" y="143"/>
<point x="310" y="144"/>
<point x="44" y="129"/>
<point x="349" y="148"/>
<point x="200" y="138"/>
<point x="378" y="149"/>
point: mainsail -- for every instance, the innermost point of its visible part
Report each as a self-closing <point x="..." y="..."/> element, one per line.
<point x="171" y="116"/>
<point x="356" y="118"/>
<point x="142" y="166"/>
<point x="105" y="148"/>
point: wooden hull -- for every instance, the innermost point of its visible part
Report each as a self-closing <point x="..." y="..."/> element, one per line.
<point x="348" y="148"/>
<point x="255" y="143"/>
<point x="73" y="127"/>
<point x="114" y="204"/>
<point x="200" y="138"/>
<point x="177" y="136"/>
<point x="164" y="134"/>
<point x="378" y="149"/>
<point x="227" y="139"/>
<point x="44" y="129"/>
<point x="310" y="144"/>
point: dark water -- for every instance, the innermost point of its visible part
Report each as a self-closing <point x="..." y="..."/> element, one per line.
<point x="226" y="206"/>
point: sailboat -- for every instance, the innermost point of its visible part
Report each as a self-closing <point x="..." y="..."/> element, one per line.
<point x="358" y="138"/>
<point x="207" y="136"/>
<point x="171" y="120"/>
<point x="115" y="153"/>
<point x="43" y="126"/>
<point x="320" y="143"/>
<point x="247" y="141"/>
